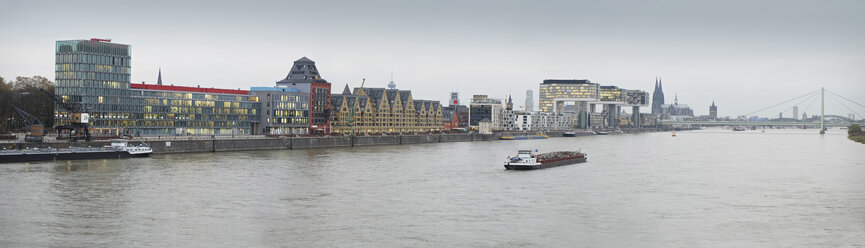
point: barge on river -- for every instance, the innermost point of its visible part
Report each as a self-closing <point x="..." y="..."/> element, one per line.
<point x="527" y="160"/>
<point x="117" y="149"/>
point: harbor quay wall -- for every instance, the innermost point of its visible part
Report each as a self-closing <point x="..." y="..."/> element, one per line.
<point x="201" y="144"/>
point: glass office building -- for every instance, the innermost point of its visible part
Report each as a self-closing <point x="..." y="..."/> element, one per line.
<point x="180" y="110"/>
<point x="96" y="74"/>
<point x="284" y="111"/>
<point x="552" y="91"/>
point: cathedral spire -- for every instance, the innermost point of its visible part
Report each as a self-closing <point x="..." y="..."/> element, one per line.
<point x="159" y="78"/>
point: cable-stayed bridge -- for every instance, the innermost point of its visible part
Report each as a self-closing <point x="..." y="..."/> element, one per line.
<point x="815" y="121"/>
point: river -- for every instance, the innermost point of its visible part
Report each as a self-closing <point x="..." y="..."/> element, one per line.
<point x="708" y="188"/>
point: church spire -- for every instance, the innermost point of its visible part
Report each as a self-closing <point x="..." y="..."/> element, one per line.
<point x="159" y="78"/>
<point x="677" y="98"/>
<point x="656" y="83"/>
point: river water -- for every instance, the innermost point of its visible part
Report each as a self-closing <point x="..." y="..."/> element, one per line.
<point x="709" y="188"/>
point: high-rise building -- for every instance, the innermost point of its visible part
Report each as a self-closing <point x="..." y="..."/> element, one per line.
<point x="304" y="77"/>
<point x="713" y="111"/>
<point x="530" y="100"/>
<point x="94" y="73"/>
<point x="455" y="98"/>
<point x="658" y="97"/>
<point x="795" y="112"/>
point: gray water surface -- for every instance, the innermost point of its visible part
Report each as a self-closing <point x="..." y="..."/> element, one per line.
<point x="714" y="188"/>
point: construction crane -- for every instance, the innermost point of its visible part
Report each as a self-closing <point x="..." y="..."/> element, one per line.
<point x="36" y="127"/>
<point x="351" y="111"/>
<point x="78" y="127"/>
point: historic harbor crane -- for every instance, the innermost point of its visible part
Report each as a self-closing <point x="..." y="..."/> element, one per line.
<point x="36" y="127"/>
<point x="78" y="127"/>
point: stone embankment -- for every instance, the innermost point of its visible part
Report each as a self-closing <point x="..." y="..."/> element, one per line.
<point x="200" y="144"/>
<point x="182" y="144"/>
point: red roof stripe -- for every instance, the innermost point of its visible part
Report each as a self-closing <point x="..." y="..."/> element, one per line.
<point x="187" y="89"/>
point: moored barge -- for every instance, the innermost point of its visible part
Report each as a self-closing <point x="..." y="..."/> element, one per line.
<point x="117" y="149"/>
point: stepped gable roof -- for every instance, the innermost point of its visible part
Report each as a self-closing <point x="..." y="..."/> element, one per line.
<point x="391" y="96"/>
<point x="418" y="105"/>
<point x="375" y="94"/>
<point x="350" y="101"/>
<point x="362" y="102"/>
<point x="434" y="105"/>
<point x="404" y="96"/>
<point x="336" y="101"/>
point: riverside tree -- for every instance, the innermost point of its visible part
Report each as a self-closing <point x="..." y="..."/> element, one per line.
<point x="24" y="93"/>
<point x="854" y="129"/>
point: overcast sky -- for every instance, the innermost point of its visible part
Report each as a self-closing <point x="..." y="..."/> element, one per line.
<point x="744" y="55"/>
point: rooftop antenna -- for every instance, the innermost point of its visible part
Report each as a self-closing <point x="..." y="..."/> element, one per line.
<point x="391" y="85"/>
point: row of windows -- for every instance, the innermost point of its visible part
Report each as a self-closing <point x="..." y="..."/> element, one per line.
<point x="87" y="46"/>
<point x="195" y="96"/>
<point x="285" y="121"/>
<point x="84" y="58"/>
<point x="92" y="68"/>
<point x="91" y="76"/>
<point x="63" y="84"/>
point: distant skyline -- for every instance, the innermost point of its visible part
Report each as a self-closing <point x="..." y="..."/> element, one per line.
<point x="744" y="55"/>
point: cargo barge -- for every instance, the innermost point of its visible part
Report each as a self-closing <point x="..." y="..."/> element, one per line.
<point x="527" y="160"/>
<point x="117" y="149"/>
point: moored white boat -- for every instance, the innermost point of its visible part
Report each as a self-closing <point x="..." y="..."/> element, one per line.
<point x="134" y="151"/>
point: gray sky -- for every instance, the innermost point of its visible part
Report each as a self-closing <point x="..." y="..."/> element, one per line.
<point x="745" y="55"/>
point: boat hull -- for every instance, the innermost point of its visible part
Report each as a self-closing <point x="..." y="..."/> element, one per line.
<point x="49" y="156"/>
<point x="515" y="166"/>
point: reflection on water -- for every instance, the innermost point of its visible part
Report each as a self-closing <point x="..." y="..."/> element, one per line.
<point x="704" y="188"/>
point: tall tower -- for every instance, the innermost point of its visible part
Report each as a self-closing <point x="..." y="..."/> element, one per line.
<point x="391" y="85"/>
<point x="713" y="111"/>
<point x="530" y="100"/>
<point x="510" y="104"/>
<point x="795" y="112"/>
<point x="657" y="97"/>
<point x="455" y="98"/>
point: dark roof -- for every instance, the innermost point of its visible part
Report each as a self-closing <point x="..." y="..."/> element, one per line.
<point x="418" y="105"/>
<point x="391" y="96"/>
<point x="362" y="102"/>
<point x="303" y="71"/>
<point x="346" y="91"/>
<point x="404" y="96"/>
<point x="374" y="93"/>
<point x="336" y="101"/>
<point x="448" y="114"/>
<point x="567" y="81"/>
